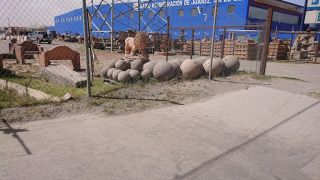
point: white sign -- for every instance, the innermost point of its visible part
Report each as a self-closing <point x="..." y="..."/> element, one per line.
<point x="179" y="3"/>
<point x="312" y="17"/>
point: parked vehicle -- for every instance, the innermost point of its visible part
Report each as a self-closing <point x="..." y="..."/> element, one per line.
<point x="40" y="36"/>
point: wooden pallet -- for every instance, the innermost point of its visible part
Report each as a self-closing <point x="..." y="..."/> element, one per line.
<point x="246" y="50"/>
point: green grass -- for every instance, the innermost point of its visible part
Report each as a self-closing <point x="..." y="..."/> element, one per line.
<point x="266" y="77"/>
<point x="9" y="98"/>
<point x="41" y="84"/>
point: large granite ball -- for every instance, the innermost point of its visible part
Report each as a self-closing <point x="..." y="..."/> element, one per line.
<point x="124" y="77"/>
<point x="122" y="65"/>
<point x="201" y="60"/>
<point x="111" y="64"/>
<point x="176" y="68"/>
<point x="137" y="65"/>
<point x="149" y="66"/>
<point x="110" y="71"/>
<point x="216" y="69"/>
<point x="231" y="63"/>
<point x="104" y="72"/>
<point x="178" y="61"/>
<point x="115" y="74"/>
<point x="135" y="75"/>
<point x="191" y="70"/>
<point x="146" y="74"/>
<point x="163" y="71"/>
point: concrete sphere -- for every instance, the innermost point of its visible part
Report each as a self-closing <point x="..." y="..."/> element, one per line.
<point x="178" y="61"/>
<point x="110" y="71"/>
<point x="176" y="68"/>
<point x="163" y="71"/>
<point x="104" y="72"/>
<point x="111" y="64"/>
<point x="115" y="74"/>
<point x="190" y="69"/>
<point x="128" y="70"/>
<point x="216" y="69"/>
<point x="124" y="77"/>
<point x="122" y="65"/>
<point x="149" y="66"/>
<point x="137" y="65"/>
<point x="135" y="75"/>
<point x="200" y="60"/>
<point x="232" y="64"/>
<point x="146" y="74"/>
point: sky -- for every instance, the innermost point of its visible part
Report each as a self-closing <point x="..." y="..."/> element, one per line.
<point x="36" y="13"/>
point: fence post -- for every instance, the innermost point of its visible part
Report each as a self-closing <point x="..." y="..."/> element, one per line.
<point x="112" y="26"/>
<point x="192" y="44"/>
<point x="290" y="47"/>
<point x="86" y="44"/>
<point x="266" y="42"/>
<point x="222" y="42"/>
<point x="317" y="49"/>
<point x="168" y="34"/>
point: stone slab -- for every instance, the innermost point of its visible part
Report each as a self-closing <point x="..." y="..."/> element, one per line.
<point x="62" y="75"/>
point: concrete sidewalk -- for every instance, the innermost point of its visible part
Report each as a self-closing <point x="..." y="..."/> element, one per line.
<point x="258" y="133"/>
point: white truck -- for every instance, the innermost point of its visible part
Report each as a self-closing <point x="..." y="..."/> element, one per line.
<point x="39" y="36"/>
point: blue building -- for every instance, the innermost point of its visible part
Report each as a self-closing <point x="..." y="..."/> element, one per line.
<point x="183" y="14"/>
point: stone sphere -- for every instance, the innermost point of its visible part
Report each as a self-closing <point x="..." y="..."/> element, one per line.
<point x="176" y="68"/>
<point x="135" y="75"/>
<point x="217" y="66"/>
<point x="110" y="71"/>
<point x="163" y="71"/>
<point x="137" y="65"/>
<point x="122" y="65"/>
<point x="111" y="64"/>
<point x="190" y="69"/>
<point x="104" y="72"/>
<point x="231" y="63"/>
<point x="178" y="61"/>
<point x="124" y="77"/>
<point x="149" y="66"/>
<point x="146" y="74"/>
<point x="115" y="74"/>
<point x="201" y="60"/>
<point x="128" y="70"/>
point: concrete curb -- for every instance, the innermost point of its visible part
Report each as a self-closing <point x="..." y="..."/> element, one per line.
<point x="23" y="90"/>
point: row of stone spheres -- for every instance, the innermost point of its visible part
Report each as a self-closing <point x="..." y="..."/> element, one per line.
<point x="126" y="71"/>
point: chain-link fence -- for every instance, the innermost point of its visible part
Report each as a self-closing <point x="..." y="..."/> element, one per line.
<point x="47" y="53"/>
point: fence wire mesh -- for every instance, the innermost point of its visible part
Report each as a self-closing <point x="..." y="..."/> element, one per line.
<point x="144" y="56"/>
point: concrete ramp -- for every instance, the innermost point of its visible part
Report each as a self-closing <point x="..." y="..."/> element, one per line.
<point x="256" y="133"/>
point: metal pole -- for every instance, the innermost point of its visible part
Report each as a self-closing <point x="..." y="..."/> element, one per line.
<point x="139" y="11"/>
<point x="266" y="43"/>
<point x="86" y="44"/>
<point x="112" y="24"/>
<point x="168" y="38"/>
<point x="213" y="35"/>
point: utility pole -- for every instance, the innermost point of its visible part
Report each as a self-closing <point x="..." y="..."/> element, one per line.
<point x="266" y="39"/>
<point x="86" y="44"/>
<point x="213" y="35"/>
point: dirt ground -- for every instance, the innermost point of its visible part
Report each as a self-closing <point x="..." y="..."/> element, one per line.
<point x="142" y="96"/>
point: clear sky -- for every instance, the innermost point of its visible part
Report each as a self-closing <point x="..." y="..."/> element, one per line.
<point x="41" y="12"/>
